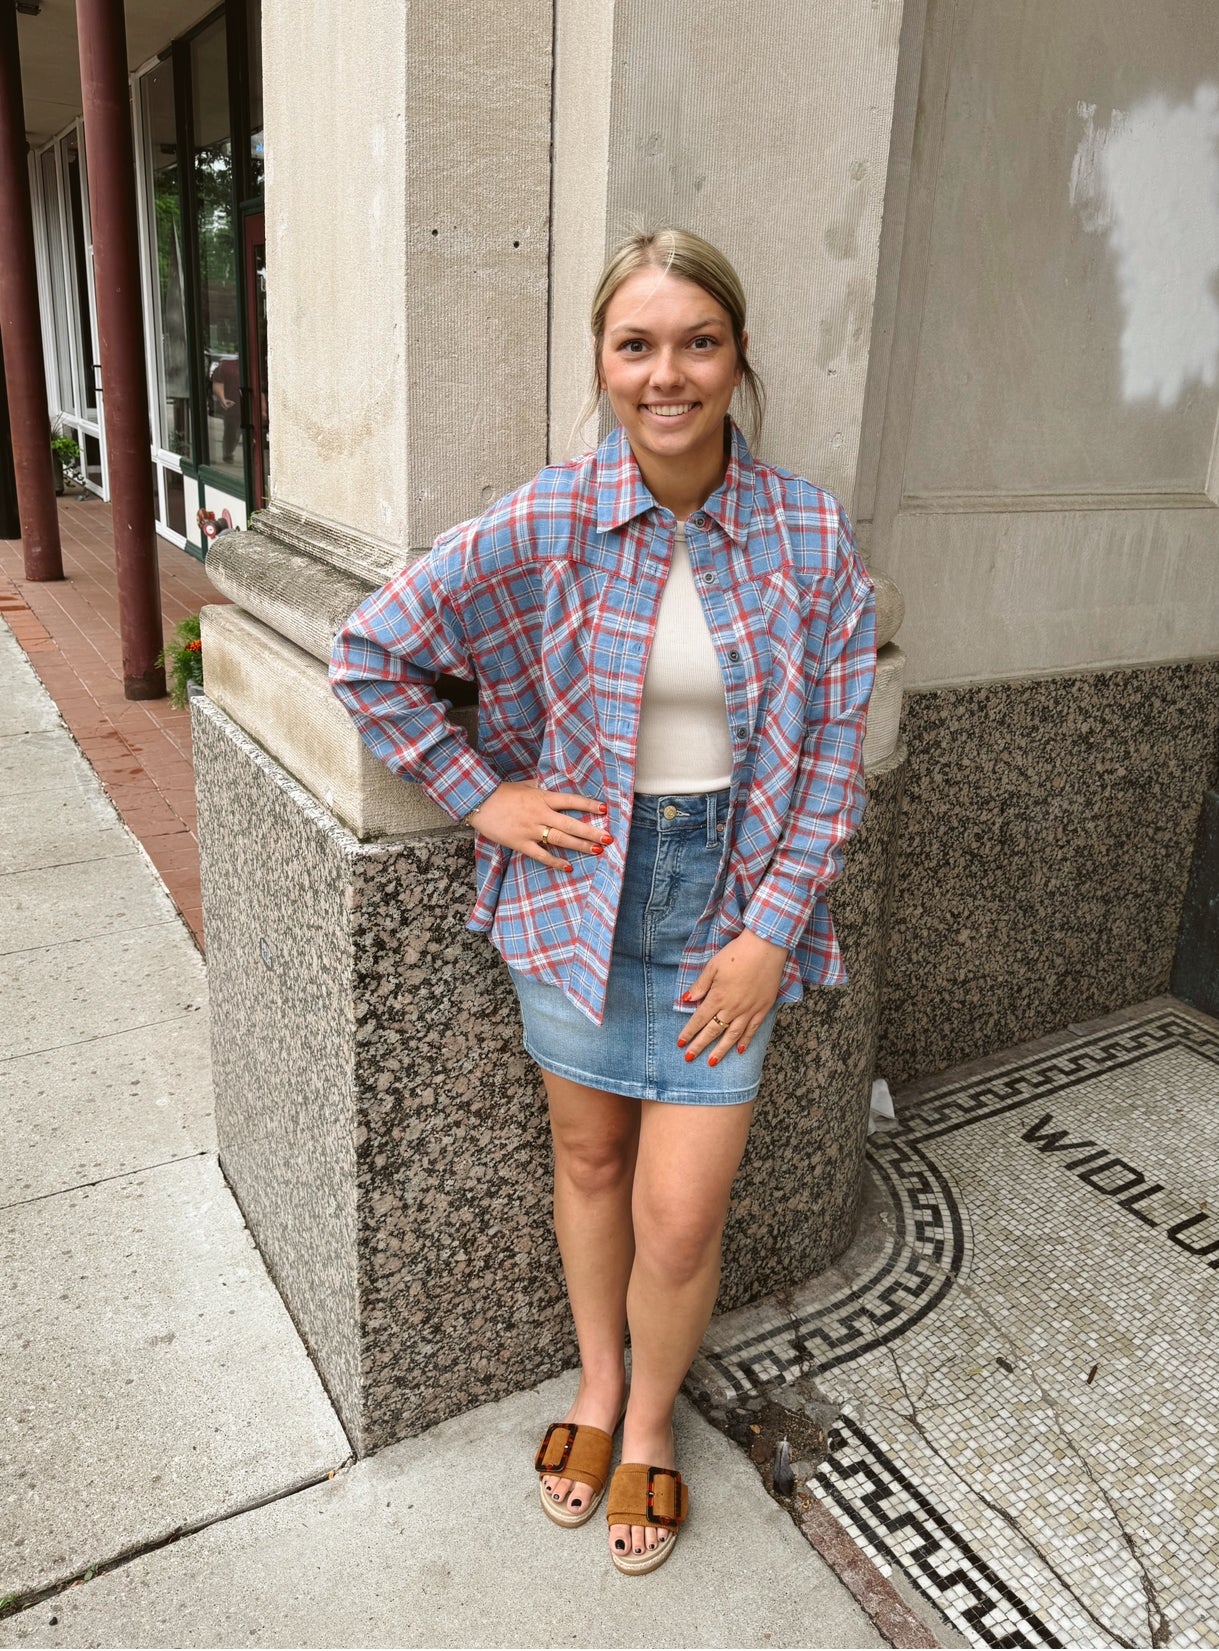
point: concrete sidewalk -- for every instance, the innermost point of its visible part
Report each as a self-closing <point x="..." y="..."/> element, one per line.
<point x="175" y="1474"/>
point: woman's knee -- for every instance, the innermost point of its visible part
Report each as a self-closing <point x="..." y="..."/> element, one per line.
<point x="679" y="1245"/>
<point x="594" y="1161"/>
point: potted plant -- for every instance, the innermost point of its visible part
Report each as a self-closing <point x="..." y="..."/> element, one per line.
<point x="182" y="658"/>
<point x="65" y="456"/>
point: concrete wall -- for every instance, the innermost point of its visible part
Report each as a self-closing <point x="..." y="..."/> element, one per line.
<point x="1046" y="490"/>
<point x="766" y="129"/>
<point x="407" y="246"/>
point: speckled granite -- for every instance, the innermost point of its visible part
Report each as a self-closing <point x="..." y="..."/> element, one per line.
<point x="1043" y="849"/>
<point x="386" y="1135"/>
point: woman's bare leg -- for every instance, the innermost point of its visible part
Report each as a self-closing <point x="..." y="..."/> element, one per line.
<point x="595" y="1140"/>
<point x="687" y="1159"/>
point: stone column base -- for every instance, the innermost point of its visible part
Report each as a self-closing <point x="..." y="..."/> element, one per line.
<point x="386" y="1135"/>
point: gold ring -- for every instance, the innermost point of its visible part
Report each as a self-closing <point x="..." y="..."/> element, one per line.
<point x="545" y="836"/>
<point x="722" y="1024"/>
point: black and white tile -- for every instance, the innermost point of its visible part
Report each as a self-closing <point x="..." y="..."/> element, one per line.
<point x="1021" y="1343"/>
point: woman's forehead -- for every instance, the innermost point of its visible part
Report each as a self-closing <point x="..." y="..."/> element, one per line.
<point x="654" y="296"/>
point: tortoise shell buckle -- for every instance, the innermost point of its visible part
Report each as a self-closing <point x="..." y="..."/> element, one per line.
<point x="655" y="1518"/>
<point x="541" y="1463"/>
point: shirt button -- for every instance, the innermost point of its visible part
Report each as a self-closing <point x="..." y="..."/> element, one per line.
<point x="733" y="655"/>
<point x="740" y="733"/>
<point x="699" y="521"/>
<point x="669" y="812"/>
<point x="708" y="578"/>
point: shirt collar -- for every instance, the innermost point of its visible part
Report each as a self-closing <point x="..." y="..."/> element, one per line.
<point x="622" y="493"/>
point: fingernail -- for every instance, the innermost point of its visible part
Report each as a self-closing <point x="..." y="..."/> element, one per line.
<point x="714" y="1061"/>
<point x="596" y="848"/>
<point x="566" y="868"/>
<point x="682" y="1042"/>
<point x="689" y="1054"/>
<point x="686" y="997"/>
<point x="740" y="1048"/>
<point x="606" y="838"/>
<point x="601" y="809"/>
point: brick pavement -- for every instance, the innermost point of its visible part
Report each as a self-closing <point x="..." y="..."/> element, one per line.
<point x="140" y="750"/>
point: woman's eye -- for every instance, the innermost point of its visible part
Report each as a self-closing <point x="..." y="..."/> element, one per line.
<point x="632" y="346"/>
<point x="704" y="342"/>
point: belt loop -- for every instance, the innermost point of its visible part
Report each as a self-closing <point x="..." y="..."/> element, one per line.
<point x="712" y="835"/>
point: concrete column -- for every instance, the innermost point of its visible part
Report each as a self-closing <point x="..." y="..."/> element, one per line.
<point x="19" y="325"/>
<point x="102" y="35"/>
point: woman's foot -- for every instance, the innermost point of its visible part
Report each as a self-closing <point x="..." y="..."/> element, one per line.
<point x="654" y="1447"/>
<point x="597" y="1405"/>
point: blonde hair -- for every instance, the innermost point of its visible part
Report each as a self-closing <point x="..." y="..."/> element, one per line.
<point x="679" y="252"/>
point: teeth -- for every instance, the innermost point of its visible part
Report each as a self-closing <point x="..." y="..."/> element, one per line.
<point x="672" y="410"/>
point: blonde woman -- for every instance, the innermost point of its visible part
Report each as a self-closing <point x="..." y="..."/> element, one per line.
<point x="674" y="648"/>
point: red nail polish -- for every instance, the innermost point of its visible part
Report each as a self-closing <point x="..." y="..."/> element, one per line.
<point x="740" y="1048"/>
<point x="681" y="1043"/>
<point x="601" y="809"/>
<point x="596" y="848"/>
<point x="565" y="868"/>
<point x="686" y="997"/>
<point x="606" y="838"/>
<point x="689" y="1054"/>
<point x="714" y="1061"/>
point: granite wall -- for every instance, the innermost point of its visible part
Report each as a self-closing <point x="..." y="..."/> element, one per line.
<point x="386" y="1135"/>
<point x="1046" y="832"/>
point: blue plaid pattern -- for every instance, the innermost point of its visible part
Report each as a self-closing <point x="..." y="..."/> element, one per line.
<point x="548" y="601"/>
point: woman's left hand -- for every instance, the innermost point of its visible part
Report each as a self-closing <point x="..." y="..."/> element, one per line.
<point x="734" y="994"/>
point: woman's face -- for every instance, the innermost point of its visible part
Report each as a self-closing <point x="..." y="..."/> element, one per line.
<point x="669" y="365"/>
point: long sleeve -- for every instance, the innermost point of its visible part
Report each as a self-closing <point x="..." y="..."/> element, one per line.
<point x="830" y="792"/>
<point x="383" y="668"/>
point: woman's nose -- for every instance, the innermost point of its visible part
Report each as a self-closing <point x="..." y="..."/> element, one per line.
<point x="666" y="369"/>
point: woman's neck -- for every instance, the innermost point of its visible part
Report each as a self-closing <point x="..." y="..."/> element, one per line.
<point x="683" y="484"/>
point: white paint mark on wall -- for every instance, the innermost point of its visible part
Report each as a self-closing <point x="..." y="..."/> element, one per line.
<point x="1150" y="182"/>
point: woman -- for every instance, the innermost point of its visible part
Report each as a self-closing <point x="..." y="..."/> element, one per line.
<point x="674" y="647"/>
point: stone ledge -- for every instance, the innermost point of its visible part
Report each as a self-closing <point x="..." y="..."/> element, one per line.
<point x="280" y="695"/>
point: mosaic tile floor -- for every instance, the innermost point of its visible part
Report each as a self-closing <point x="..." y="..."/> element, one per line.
<point x="1017" y="1360"/>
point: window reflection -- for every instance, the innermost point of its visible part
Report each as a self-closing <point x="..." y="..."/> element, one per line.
<point x="169" y="298"/>
<point x="86" y="364"/>
<point x="213" y="179"/>
<point x="254" y="24"/>
<point x="59" y="293"/>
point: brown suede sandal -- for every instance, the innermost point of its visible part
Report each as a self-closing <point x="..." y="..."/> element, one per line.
<point x="574" y="1450"/>
<point x="642" y="1495"/>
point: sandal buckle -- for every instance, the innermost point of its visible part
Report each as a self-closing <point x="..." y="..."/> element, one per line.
<point x="541" y="1465"/>
<point x="661" y="1519"/>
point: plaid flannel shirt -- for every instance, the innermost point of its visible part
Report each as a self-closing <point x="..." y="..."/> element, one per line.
<point x="548" y="601"/>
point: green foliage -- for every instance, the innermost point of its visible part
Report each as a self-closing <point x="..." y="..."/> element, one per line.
<point x="183" y="659"/>
<point x="67" y="451"/>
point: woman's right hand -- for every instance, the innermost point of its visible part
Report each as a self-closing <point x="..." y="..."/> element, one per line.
<point x="518" y="812"/>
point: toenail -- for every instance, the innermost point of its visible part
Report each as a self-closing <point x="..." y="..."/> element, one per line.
<point x="556" y="1496"/>
<point x="638" y="1550"/>
<point x="575" y="1502"/>
<point x="620" y="1545"/>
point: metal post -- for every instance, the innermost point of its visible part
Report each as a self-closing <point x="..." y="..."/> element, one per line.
<point x="102" y="36"/>
<point x="19" y="326"/>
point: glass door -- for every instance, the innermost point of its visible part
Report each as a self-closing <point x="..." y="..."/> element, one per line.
<point x="255" y="251"/>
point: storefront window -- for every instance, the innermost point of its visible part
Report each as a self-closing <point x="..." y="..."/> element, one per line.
<point x="86" y="365"/>
<point x="212" y="163"/>
<point x="168" y="295"/>
<point x="254" y="25"/>
<point x="59" y="290"/>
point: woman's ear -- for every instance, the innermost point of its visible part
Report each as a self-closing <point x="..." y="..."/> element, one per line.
<point x="741" y="357"/>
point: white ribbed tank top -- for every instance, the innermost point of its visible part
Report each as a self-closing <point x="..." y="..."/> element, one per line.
<point x="684" y="744"/>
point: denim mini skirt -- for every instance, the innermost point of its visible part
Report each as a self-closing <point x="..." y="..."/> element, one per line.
<point x="673" y="856"/>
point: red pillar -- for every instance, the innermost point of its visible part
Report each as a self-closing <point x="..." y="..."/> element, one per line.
<point x="102" y="35"/>
<point x="19" y="327"/>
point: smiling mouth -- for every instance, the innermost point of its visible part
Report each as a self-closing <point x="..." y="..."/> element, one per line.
<point x="669" y="409"/>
